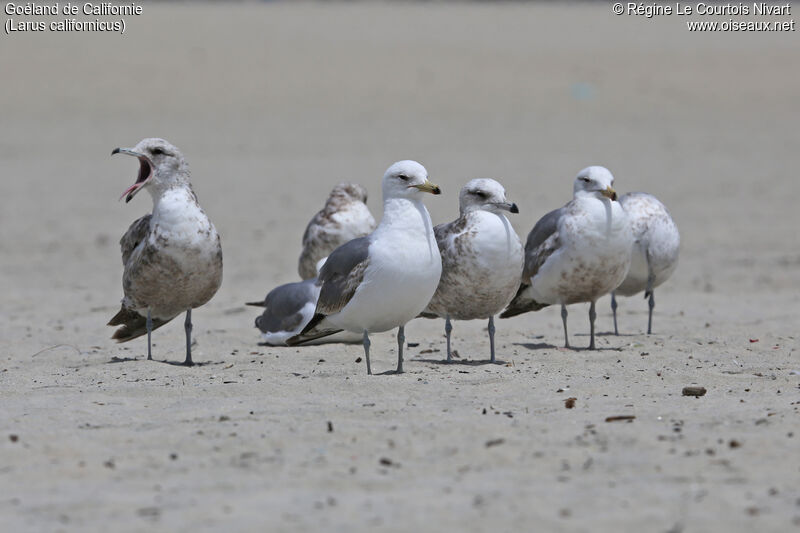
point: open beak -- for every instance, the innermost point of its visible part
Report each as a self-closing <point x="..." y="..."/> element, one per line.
<point x="609" y="193"/>
<point x="508" y="206"/>
<point x="145" y="172"/>
<point x="428" y="187"/>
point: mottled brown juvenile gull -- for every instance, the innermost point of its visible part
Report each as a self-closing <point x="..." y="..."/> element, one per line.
<point x="481" y="259"/>
<point x="576" y="253"/>
<point x="655" y="250"/>
<point x="381" y="281"/>
<point x="345" y="217"/>
<point x="172" y="257"/>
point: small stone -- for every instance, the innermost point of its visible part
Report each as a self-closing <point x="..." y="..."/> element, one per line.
<point x="694" y="391"/>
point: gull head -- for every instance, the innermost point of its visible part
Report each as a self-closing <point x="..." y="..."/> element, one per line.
<point x="160" y="166"/>
<point x="349" y="192"/>
<point x="485" y="194"/>
<point x="596" y="181"/>
<point x="407" y="179"/>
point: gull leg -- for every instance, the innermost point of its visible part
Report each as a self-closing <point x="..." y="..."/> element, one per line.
<point x="188" y="327"/>
<point x="614" y="310"/>
<point x="366" y="351"/>
<point x="592" y="316"/>
<point x="401" y="339"/>
<point x="149" y="325"/>
<point x="491" y="338"/>
<point x="564" y="320"/>
<point x="651" y="278"/>
<point x="448" y="328"/>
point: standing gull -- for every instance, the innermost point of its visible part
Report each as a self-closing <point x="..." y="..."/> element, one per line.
<point x="655" y="250"/>
<point x="381" y="281"/>
<point x="345" y="217"/>
<point x="172" y="257"/>
<point x="481" y="259"/>
<point x="576" y="253"/>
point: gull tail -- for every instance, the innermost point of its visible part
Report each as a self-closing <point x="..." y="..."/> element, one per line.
<point x="133" y="324"/>
<point x="257" y="304"/>
<point x="315" y="329"/>
<point x="522" y="303"/>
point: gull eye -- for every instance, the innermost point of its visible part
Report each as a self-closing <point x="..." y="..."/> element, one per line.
<point x="403" y="177"/>
<point x="157" y="151"/>
<point x="584" y="179"/>
<point x="480" y="194"/>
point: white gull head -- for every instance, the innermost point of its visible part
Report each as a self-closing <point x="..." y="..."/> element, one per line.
<point x="485" y="194"/>
<point x="407" y="179"/>
<point x="595" y="181"/>
<point x="161" y="167"/>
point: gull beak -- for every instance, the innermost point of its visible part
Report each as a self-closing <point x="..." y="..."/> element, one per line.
<point x="608" y="192"/>
<point x="508" y="206"/>
<point x="145" y="172"/>
<point x="428" y="187"/>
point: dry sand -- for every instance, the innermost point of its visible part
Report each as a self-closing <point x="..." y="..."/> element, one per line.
<point x="272" y="104"/>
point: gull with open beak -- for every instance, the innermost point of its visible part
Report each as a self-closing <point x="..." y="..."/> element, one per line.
<point x="172" y="257"/>
<point x="482" y="259"/>
<point x="381" y="281"/>
<point x="576" y="253"/>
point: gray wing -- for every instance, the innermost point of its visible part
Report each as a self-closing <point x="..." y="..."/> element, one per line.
<point x="284" y="305"/>
<point x="136" y="233"/>
<point x="341" y="275"/>
<point x="542" y="242"/>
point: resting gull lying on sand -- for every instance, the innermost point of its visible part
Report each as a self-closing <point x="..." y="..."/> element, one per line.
<point x="287" y="310"/>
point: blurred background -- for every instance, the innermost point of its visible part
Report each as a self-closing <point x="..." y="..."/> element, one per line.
<point x="273" y="103"/>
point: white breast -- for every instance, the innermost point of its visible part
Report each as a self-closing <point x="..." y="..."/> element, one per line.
<point x="403" y="272"/>
<point x="593" y="257"/>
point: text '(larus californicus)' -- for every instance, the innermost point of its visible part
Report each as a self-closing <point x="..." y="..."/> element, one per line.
<point x="172" y="257"/>
<point x="655" y="250"/>
<point x="381" y="281"/>
<point x="576" y="253"/>
<point x="482" y="259"/>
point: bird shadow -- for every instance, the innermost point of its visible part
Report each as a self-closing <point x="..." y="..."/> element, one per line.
<point x="608" y="334"/>
<point x="463" y="362"/>
<point x="536" y="345"/>
<point x="545" y="346"/>
<point x="115" y="360"/>
<point x="181" y="363"/>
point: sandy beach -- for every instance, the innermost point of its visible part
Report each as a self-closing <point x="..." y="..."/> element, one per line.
<point x="272" y="104"/>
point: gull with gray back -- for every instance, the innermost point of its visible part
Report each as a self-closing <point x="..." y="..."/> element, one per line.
<point x="381" y="281"/>
<point x="576" y="253"/>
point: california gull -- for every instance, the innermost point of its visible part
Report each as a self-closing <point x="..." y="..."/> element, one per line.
<point x="345" y="217"/>
<point x="381" y="281"/>
<point x="482" y="259"/>
<point x="172" y="257"/>
<point x="576" y="253"/>
<point x="287" y="310"/>
<point x="655" y="250"/>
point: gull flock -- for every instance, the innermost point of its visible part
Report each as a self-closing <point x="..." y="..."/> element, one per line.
<point x="360" y="278"/>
